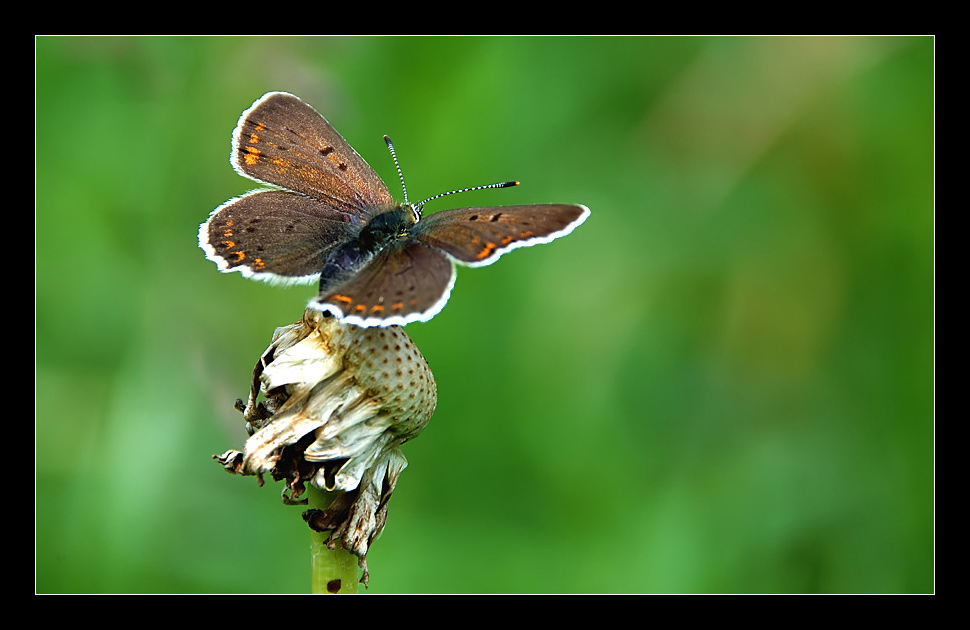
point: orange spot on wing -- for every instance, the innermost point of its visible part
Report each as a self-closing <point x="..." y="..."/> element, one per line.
<point x="377" y="308"/>
<point x="343" y="299"/>
<point x="252" y="155"/>
<point x="486" y="251"/>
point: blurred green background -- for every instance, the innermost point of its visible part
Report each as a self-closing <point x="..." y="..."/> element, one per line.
<point x="722" y="382"/>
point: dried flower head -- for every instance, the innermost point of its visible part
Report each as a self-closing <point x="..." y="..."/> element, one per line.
<point x="339" y="400"/>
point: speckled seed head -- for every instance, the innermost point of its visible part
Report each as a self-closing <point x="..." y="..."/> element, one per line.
<point x="389" y="368"/>
<point x="338" y="401"/>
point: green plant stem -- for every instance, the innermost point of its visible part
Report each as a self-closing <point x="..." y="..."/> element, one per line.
<point x="332" y="571"/>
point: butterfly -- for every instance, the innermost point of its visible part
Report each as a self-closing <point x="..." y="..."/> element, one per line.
<point x="330" y="219"/>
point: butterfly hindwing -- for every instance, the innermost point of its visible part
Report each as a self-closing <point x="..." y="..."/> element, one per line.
<point x="478" y="236"/>
<point x="406" y="281"/>
<point x="282" y="141"/>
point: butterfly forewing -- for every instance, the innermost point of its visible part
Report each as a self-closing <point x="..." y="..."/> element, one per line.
<point x="274" y="235"/>
<point x="478" y="236"/>
<point x="405" y="282"/>
<point x="281" y="140"/>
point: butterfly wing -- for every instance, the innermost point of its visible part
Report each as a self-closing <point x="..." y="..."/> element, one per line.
<point x="405" y="282"/>
<point x="478" y="236"/>
<point x="282" y="141"/>
<point x="274" y="235"/>
<point x="285" y="235"/>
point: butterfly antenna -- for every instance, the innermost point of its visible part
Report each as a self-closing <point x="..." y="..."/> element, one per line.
<point x="461" y="190"/>
<point x="419" y="206"/>
<point x="400" y="173"/>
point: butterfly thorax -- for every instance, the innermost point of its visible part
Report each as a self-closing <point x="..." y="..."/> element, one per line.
<point x="382" y="229"/>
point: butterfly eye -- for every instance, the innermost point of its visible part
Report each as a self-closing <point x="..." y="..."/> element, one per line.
<point x="415" y="212"/>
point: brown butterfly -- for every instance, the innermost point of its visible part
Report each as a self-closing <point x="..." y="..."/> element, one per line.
<point x="331" y="219"/>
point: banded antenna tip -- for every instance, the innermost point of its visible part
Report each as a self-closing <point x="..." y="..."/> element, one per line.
<point x="400" y="173"/>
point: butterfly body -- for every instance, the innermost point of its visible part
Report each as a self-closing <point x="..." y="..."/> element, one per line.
<point x="332" y="220"/>
<point x="347" y="258"/>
